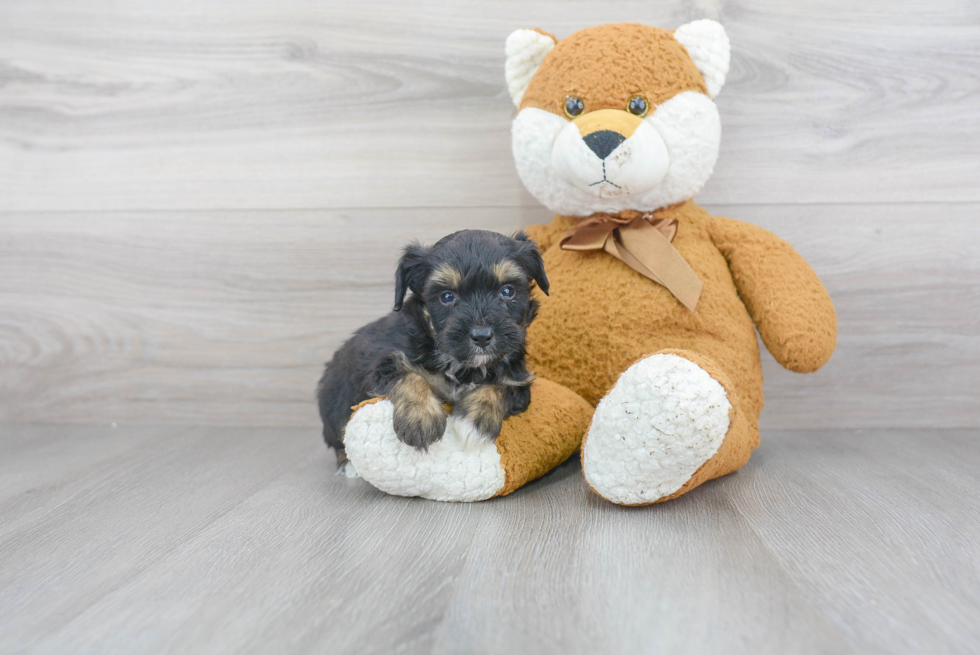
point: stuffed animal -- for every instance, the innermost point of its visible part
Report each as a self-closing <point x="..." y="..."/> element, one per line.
<point x="646" y="349"/>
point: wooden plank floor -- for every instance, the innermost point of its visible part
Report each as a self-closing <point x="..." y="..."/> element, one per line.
<point x="214" y="540"/>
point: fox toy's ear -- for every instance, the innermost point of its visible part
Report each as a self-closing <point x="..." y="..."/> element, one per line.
<point x="526" y="49"/>
<point x="529" y="257"/>
<point x="413" y="271"/>
<point x="708" y="46"/>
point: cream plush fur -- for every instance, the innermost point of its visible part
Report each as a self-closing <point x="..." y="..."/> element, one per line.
<point x="667" y="160"/>
<point x="670" y="411"/>
<point x="455" y="467"/>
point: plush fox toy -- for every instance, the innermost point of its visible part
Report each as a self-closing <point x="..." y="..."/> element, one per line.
<point x="646" y="349"/>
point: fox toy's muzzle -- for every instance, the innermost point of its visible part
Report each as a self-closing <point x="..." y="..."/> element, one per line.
<point x="605" y="129"/>
<point x="610" y="153"/>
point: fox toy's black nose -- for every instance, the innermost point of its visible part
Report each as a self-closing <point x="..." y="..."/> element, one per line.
<point x="603" y="142"/>
<point x="481" y="336"/>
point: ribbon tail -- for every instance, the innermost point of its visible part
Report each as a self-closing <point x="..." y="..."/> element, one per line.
<point x="646" y="249"/>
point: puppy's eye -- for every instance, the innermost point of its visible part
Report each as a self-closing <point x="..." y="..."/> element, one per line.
<point x="447" y="297"/>
<point x="574" y="106"/>
<point x="507" y="292"/>
<point x="637" y="106"/>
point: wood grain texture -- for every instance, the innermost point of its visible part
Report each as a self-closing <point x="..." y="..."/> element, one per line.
<point x="174" y="243"/>
<point x="92" y="527"/>
<point x="305" y="104"/>
<point x="209" y="540"/>
<point x="688" y="577"/>
<point x="876" y="516"/>
<point x="226" y="317"/>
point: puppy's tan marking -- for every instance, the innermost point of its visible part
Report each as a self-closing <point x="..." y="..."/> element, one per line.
<point x="420" y="418"/>
<point x="438" y="384"/>
<point x="428" y="320"/>
<point x="447" y="276"/>
<point x="507" y="271"/>
<point x="527" y="379"/>
<point x="485" y="406"/>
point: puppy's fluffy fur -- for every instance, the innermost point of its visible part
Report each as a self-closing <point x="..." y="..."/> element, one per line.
<point x="459" y="338"/>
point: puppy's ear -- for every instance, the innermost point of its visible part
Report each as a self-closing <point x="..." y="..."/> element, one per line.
<point x="413" y="270"/>
<point x="528" y="256"/>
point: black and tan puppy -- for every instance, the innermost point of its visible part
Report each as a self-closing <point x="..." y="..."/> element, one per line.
<point x="458" y="338"/>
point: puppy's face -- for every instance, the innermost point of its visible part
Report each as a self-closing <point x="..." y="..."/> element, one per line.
<point x="475" y="291"/>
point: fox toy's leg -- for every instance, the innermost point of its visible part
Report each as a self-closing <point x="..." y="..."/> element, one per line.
<point x="671" y="423"/>
<point x="456" y="468"/>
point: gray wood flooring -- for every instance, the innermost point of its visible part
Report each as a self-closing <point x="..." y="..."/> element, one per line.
<point x="219" y="540"/>
<point x="199" y="200"/>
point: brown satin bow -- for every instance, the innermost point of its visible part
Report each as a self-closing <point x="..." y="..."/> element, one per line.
<point x="644" y="244"/>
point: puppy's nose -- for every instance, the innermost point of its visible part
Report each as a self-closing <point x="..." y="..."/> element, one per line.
<point x="481" y="336"/>
<point x="603" y="142"/>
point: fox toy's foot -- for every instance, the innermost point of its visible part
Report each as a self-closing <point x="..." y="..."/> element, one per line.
<point x="449" y="470"/>
<point x="670" y="424"/>
<point x="460" y="468"/>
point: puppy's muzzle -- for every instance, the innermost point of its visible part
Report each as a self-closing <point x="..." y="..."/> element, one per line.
<point x="481" y="336"/>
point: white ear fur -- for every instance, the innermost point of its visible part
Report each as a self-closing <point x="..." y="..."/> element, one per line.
<point x="526" y="50"/>
<point x="710" y="49"/>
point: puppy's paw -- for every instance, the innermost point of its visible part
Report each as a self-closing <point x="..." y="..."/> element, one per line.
<point x="419" y="417"/>
<point x="344" y="466"/>
<point x="518" y="399"/>
<point x="419" y="426"/>
<point x="489" y="425"/>
<point x="347" y="470"/>
<point x="482" y="412"/>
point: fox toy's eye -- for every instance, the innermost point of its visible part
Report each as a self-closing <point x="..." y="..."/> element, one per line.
<point x="574" y="106"/>
<point x="637" y="106"/>
<point x="447" y="297"/>
<point x="507" y="292"/>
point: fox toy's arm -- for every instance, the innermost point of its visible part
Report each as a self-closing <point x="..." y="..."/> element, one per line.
<point x="787" y="301"/>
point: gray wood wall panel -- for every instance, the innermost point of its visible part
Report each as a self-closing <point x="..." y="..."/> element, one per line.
<point x="200" y="200"/>
<point x="302" y="103"/>
<point x="226" y="317"/>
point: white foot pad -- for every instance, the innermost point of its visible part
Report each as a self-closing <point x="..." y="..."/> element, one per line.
<point x="664" y="419"/>
<point x="454" y="469"/>
<point x="347" y="470"/>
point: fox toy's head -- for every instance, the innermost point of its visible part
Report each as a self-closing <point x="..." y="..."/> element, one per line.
<point x="616" y="117"/>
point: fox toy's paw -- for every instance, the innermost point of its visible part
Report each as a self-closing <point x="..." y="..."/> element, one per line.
<point x="464" y="465"/>
<point x="455" y="467"/>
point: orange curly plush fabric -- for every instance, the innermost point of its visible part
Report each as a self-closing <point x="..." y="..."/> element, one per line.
<point x="533" y="443"/>
<point x="602" y="315"/>
<point x="608" y="64"/>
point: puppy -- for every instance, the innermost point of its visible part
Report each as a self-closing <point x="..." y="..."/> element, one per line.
<point x="459" y="338"/>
